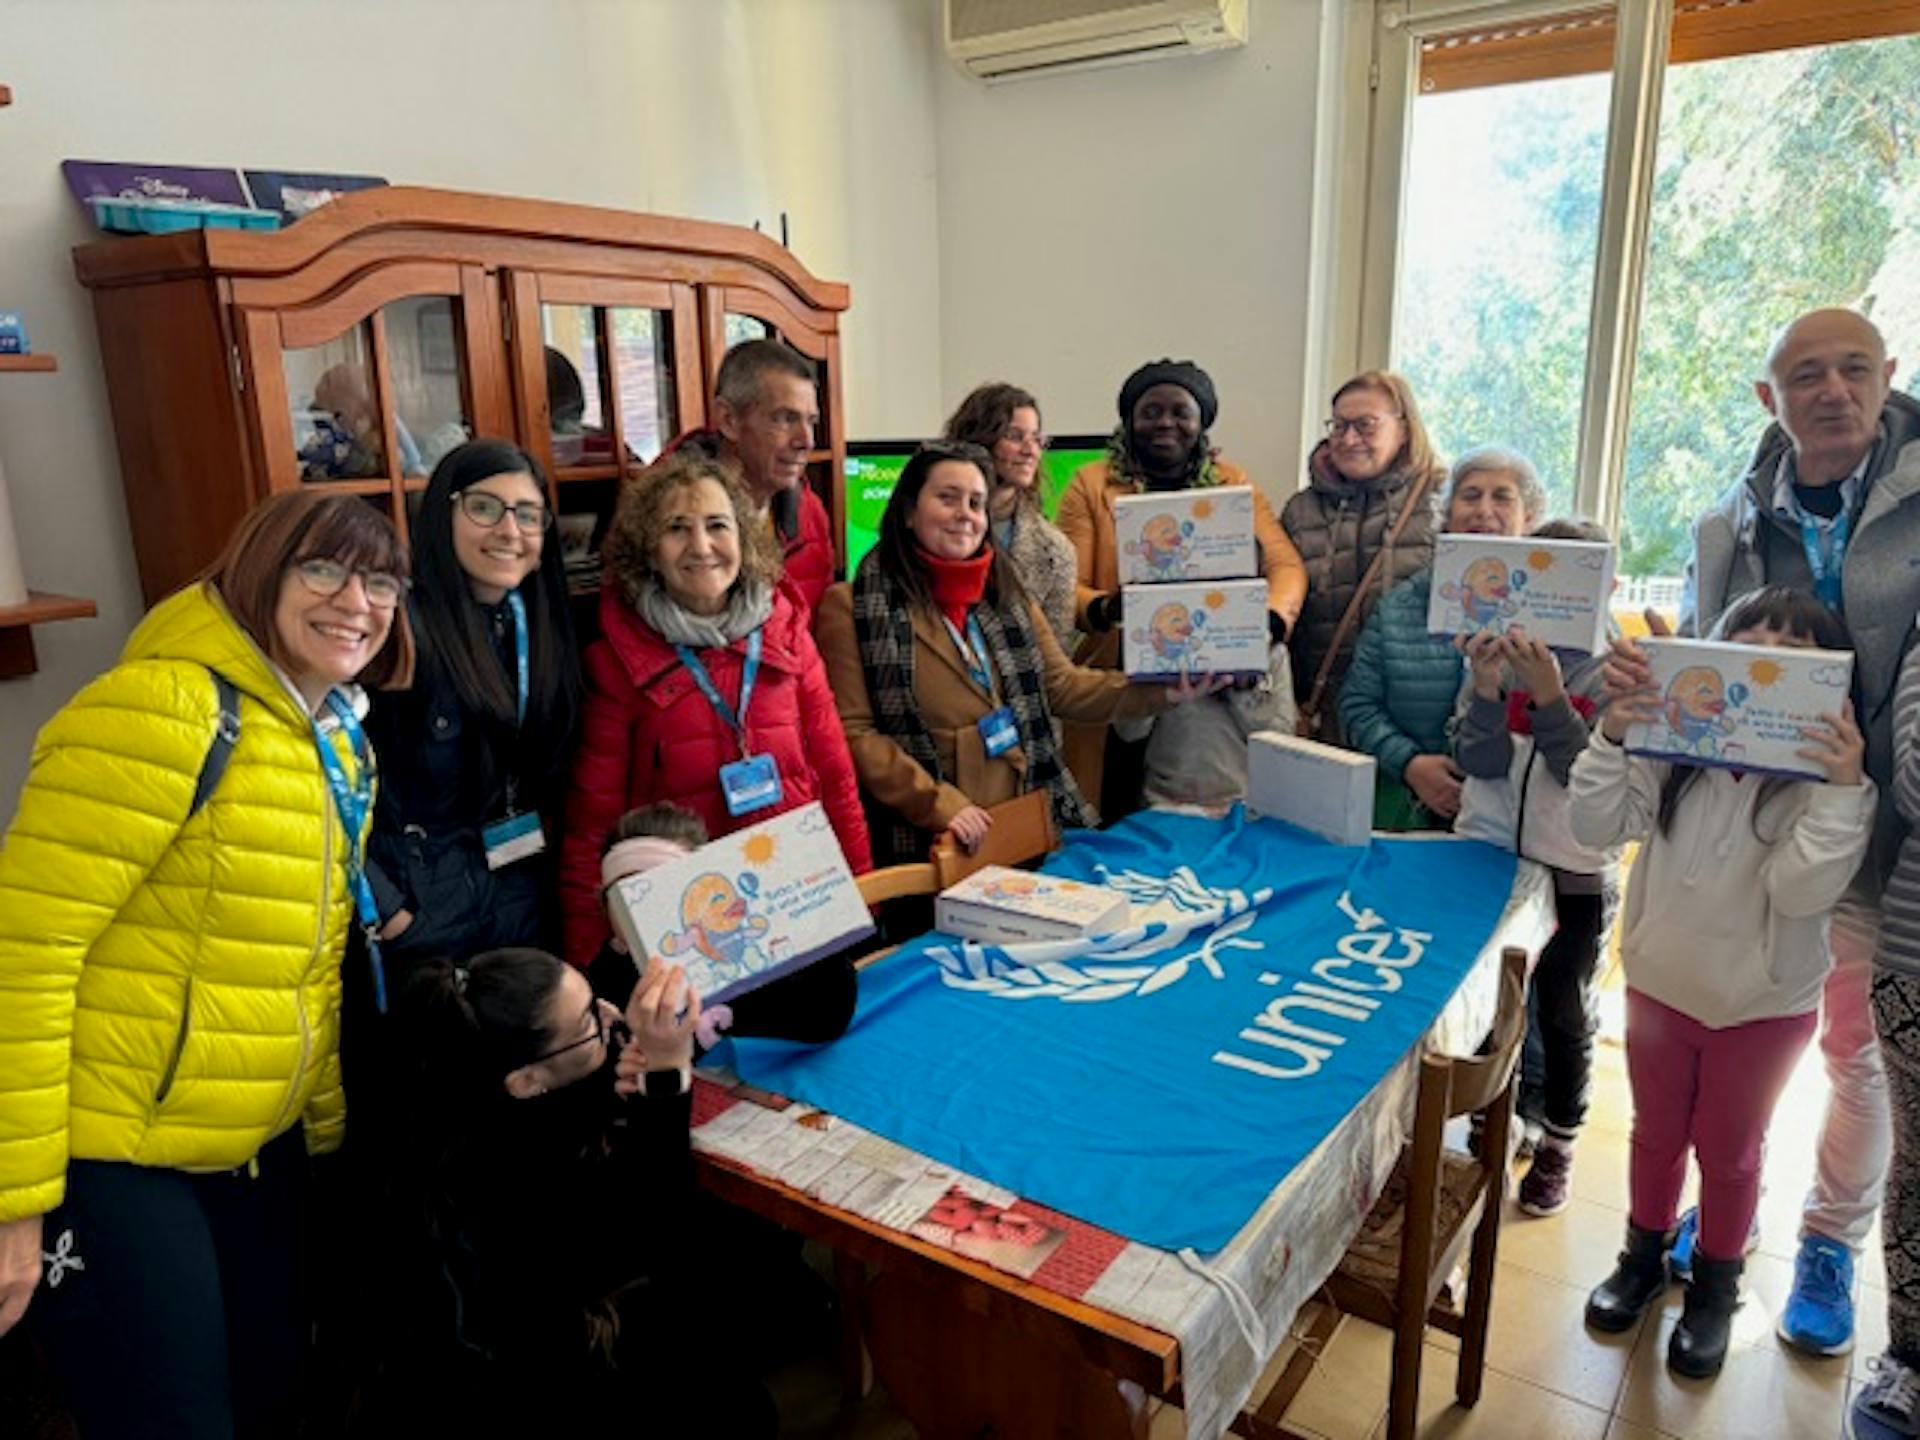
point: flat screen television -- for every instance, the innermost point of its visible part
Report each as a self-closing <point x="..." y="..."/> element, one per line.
<point x="874" y="465"/>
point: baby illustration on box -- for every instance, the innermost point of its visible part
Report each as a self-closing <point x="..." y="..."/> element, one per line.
<point x="719" y="927"/>
<point x="1695" y="709"/>
<point x="1485" y="594"/>
<point x="1173" y="634"/>
<point x="1162" y="547"/>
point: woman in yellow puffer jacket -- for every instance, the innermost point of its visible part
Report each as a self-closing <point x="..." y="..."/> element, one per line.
<point x="170" y="975"/>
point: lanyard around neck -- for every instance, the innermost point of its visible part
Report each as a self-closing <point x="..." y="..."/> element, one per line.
<point x="518" y="607"/>
<point x="352" y="800"/>
<point x="973" y="650"/>
<point x="748" y="674"/>
<point x="1825" y="560"/>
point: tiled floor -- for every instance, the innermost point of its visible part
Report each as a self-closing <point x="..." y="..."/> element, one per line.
<point x="1549" y="1378"/>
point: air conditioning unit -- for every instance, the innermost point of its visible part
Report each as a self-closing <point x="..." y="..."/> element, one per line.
<point x="1019" y="39"/>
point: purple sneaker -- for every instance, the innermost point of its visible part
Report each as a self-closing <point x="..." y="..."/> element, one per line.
<point x="1546" y="1188"/>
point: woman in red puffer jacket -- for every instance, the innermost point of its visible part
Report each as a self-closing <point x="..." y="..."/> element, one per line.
<point x="688" y="574"/>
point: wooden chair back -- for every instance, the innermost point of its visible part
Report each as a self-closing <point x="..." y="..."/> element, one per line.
<point x="1022" y="831"/>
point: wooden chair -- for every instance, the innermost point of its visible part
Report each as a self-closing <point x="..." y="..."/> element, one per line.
<point x="1434" y="1204"/>
<point x="1022" y="831"/>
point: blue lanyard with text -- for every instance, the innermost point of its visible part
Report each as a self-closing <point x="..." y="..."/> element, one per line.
<point x="1826" y="576"/>
<point x="973" y="650"/>
<point x="750" y="672"/>
<point x="352" y="800"/>
<point x="519" y="609"/>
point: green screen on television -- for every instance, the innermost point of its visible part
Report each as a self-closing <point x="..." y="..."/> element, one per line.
<point x="873" y="466"/>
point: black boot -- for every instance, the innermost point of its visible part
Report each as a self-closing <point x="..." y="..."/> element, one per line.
<point x="1699" y="1344"/>
<point x="1636" y="1282"/>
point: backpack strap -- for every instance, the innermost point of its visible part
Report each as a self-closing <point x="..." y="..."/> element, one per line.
<point x="226" y="734"/>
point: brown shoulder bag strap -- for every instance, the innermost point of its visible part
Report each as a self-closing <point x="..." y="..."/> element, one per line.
<point x="1316" y="697"/>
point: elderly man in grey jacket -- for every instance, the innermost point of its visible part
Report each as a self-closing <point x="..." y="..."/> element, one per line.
<point x="1831" y="503"/>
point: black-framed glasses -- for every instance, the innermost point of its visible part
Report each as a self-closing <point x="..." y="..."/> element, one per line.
<point x="488" y="511"/>
<point x="598" y="1035"/>
<point x="1365" y="426"/>
<point x="327" y="578"/>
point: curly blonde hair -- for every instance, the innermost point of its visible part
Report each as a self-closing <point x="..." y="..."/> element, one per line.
<point x="640" y="519"/>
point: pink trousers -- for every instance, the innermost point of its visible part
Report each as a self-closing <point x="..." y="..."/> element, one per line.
<point x="1713" y="1090"/>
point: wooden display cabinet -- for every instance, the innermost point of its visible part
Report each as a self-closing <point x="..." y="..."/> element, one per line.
<point x="353" y="348"/>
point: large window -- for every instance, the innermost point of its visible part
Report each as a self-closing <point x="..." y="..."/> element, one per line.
<point x="1784" y="174"/>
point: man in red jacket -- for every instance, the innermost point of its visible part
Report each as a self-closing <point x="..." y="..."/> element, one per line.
<point x="765" y="409"/>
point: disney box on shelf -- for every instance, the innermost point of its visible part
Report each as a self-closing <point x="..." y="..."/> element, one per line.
<point x="999" y="905"/>
<point x="1204" y="534"/>
<point x="1211" y="627"/>
<point x="1740" y="706"/>
<point x="748" y="908"/>
<point x="1320" y="788"/>
<point x="1555" y="590"/>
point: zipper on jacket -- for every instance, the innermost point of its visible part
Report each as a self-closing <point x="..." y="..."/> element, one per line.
<point x="179" y="1048"/>
<point x="319" y="944"/>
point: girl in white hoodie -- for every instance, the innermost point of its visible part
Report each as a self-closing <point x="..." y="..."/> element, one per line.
<point x="1725" y="950"/>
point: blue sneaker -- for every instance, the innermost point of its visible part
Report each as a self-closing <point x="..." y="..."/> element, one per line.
<point x="1818" y="1317"/>
<point x="1687" y="1234"/>
<point x="1889" y="1407"/>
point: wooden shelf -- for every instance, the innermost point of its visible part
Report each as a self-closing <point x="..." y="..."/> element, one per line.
<point x="25" y="364"/>
<point x="16" y="639"/>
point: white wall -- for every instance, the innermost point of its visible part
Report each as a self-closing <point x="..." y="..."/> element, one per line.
<point x="1093" y="221"/>
<point x="730" y="110"/>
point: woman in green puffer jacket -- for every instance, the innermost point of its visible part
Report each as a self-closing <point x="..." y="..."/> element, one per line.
<point x="1402" y="688"/>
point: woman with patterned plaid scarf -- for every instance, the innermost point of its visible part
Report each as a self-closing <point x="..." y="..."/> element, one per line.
<point x="947" y="677"/>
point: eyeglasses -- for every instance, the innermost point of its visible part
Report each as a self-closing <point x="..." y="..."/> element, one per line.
<point x="1020" y="438"/>
<point x="327" y="578"/>
<point x="598" y="1035"/>
<point x="488" y="511"/>
<point x="1365" y="426"/>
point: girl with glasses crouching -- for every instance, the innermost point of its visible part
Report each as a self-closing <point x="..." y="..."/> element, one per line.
<point x="542" y="1270"/>
<point x="474" y="756"/>
<point x="176" y="891"/>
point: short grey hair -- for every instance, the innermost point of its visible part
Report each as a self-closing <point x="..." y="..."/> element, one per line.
<point x="746" y="366"/>
<point x="1484" y="459"/>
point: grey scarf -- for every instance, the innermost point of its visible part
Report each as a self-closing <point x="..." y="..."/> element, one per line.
<point x="747" y="610"/>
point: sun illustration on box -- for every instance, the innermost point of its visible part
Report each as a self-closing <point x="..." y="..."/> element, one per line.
<point x="758" y="849"/>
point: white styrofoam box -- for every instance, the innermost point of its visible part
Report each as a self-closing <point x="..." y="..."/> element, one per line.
<point x="747" y="908"/>
<point x="1556" y="591"/>
<point x="1740" y="706"/>
<point x="998" y="905"/>
<point x="1208" y="627"/>
<point x="1320" y="788"/>
<point x="1204" y="534"/>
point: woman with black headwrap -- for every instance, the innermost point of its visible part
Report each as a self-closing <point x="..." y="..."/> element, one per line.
<point x="1161" y="443"/>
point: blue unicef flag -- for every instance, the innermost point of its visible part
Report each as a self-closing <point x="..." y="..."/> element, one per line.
<point x="1161" y="1082"/>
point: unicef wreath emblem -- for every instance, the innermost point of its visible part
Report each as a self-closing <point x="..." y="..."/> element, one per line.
<point x="1170" y="911"/>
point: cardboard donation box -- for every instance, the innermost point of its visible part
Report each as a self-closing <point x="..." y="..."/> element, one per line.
<point x="1740" y="706"/>
<point x="1214" y="627"/>
<point x="748" y="908"/>
<point x="999" y="905"/>
<point x="1554" y="590"/>
<point x="1320" y="788"/>
<point x="1202" y="534"/>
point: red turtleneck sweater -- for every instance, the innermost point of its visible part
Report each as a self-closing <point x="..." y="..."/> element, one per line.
<point x="958" y="584"/>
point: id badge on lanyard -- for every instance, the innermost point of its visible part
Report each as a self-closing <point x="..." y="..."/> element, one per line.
<point x="518" y="835"/>
<point x="999" y="732"/>
<point x="751" y="783"/>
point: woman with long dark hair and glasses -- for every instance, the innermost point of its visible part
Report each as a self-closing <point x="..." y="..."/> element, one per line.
<point x="543" y="1213"/>
<point x="474" y="757"/>
<point x="947" y="676"/>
